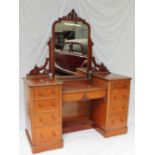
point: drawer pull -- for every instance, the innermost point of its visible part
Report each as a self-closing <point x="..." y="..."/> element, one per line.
<point x="85" y="98"/>
<point x="121" y="120"/>
<point x="54" y="93"/>
<point x="114" y="108"/>
<point x="115" y="97"/>
<point x="40" y="105"/>
<point x="125" y="85"/>
<point x="40" y="119"/>
<point x="124" y="96"/>
<point x="41" y="136"/>
<point x="113" y="122"/>
<point x="123" y="107"/>
<point x="53" y="117"/>
<point x="53" y="133"/>
<point x="52" y="105"/>
<point x="41" y="94"/>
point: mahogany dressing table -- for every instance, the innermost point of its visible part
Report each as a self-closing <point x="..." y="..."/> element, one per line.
<point x="71" y="92"/>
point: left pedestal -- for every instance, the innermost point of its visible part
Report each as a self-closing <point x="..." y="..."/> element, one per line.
<point x="44" y="114"/>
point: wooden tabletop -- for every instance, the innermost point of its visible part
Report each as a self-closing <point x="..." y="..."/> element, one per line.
<point x="110" y="76"/>
<point x="41" y="82"/>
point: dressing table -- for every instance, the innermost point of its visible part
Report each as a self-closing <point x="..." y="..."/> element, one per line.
<point x="72" y="92"/>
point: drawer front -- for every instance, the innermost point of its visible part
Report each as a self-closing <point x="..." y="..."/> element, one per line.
<point x="84" y="96"/>
<point x="95" y="95"/>
<point x="121" y="84"/>
<point x="47" y="134"/>
<point x="100" y="82"/>
<point x="120" y="95"/>
<point x="45" y="105"/>
<point x="118" y="107"/>
<point x="46" y="92"/>
<point x="45" y="119"/>
<point x="117" y="121"/>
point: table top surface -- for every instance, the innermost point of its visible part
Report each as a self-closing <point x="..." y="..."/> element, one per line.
<point x="31" y="81"/>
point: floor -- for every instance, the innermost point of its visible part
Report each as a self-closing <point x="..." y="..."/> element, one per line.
<point x="88" y="142"/>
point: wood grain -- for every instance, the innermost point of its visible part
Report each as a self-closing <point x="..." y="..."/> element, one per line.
<point x="71" y="105"/>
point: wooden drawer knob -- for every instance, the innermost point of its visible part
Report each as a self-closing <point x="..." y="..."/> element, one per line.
<point x="123" y="107"/>
<point x="85" y="98"/>
<point x="41" y="136"/>
<point x="41" y="94"/>
<point x="53" y="133"/>
<point x="124" y="96"/>
<point x="53" y="117"/>
<point x="121" y="120"/>
<point x="53" y="93"/>
<point x="115" y="97"/>
<point x="40" y="105"/>
<point x="52" y="105"/>
<point x="40" y="119"/>
<point x="114" y="108"/>
<point x="112" y="122"/>
<point x="126" y="85"/>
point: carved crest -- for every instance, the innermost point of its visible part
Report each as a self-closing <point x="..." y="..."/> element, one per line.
<point x="96" y="67"/>
<point x="47" y="69"/>
<point x="72" y="16"/>
<point x="99" y="67"/>
<point x="41" y="69"/>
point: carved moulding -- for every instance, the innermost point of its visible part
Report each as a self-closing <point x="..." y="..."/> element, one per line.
<point x="72" y="16"/>
<point x="99" y="67"/>
<point x="96" y="67"/>
<point x="48" y="63"/>
<point x="41" y="69"/>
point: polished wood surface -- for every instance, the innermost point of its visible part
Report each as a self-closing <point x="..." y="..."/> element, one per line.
<point x="114" y="110"/>
<point x="110" y="76"/>
<point x="57" y="106"/>
<point x="49" y="67"/>
<point x="92" y="98"/>
<point x="77" y="123"/>
<point x="44" y="113"/>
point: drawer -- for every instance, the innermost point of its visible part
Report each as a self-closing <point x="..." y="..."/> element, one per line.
<point x="47" y="134"/>
<point x="118" y="107"/>
<point x="100" y="82"/>
<point x="46" y="118"/>
<point x="46" y="92"/>
<point x="46" y="104"/>
<point x="122" y="94"/>
<point x="84" y="96"/>
<point x="117" y="121"/>
<point x="121" y="84"/>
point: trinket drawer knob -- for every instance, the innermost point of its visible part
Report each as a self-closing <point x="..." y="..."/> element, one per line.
<point x="85" y="98"/>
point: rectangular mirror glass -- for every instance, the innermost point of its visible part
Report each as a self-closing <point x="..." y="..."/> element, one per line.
<point x="71" y="47"/>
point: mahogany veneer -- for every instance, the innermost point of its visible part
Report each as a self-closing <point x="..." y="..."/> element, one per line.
<point x="91" y="98"/>
<point x="60" y="106"/>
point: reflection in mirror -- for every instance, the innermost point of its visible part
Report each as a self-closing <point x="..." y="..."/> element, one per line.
<point x="71" y="46"/>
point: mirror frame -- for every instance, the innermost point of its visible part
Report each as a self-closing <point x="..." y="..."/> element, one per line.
<point x="48" y="68"/>
<point x="72" y="16"/>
